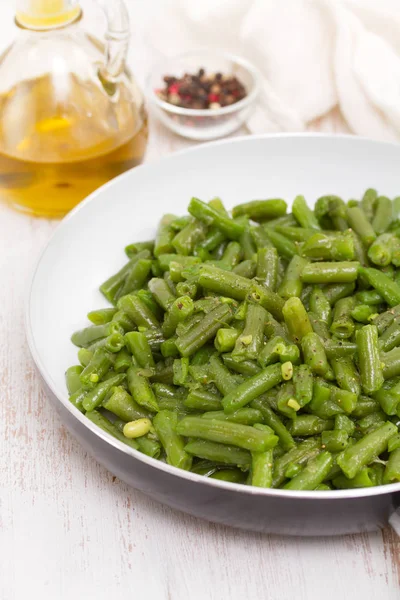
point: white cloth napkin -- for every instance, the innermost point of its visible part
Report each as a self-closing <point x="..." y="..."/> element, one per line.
<point x="314" y="55"/>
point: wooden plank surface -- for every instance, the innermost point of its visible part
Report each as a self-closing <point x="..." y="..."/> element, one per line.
<point x="69" y="529"/>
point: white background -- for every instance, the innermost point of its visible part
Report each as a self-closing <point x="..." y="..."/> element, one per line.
<point x="69" y="529"/>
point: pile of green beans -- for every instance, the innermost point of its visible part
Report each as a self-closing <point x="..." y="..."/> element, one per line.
<point x="257" y="347"/>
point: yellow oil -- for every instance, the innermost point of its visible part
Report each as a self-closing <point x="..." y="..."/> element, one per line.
<point x="60" y="139"/>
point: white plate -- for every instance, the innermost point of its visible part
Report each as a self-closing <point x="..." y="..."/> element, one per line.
<point x="88" y="246"/>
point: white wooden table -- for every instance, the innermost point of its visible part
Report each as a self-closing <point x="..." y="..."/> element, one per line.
<point x="70" y="530"/>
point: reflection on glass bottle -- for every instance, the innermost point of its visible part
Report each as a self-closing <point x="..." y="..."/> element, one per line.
<point x="71" y="115"/>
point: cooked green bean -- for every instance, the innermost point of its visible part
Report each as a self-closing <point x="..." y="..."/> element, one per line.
<point x="267" y="267"/>
<point x="313" y="473"/>
<point x="359" y="222"/>
<point x="365" y="450"/>
<point x="261" y="210"/>
<point x="261" y="348"/>
<point x="369" y="360"/>
<point x="252" y="388"/>
<point x="383" y="214"/>
<point x="165" y="423"/>
<point x="296" y="319"/>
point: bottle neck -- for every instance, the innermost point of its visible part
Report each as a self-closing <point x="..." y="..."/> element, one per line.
<point x="47" y="14"/>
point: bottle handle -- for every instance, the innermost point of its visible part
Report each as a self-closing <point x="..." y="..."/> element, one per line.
<point x="117" y="42"/>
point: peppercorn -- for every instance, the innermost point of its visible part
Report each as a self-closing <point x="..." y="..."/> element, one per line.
<point x="202" y="90"/>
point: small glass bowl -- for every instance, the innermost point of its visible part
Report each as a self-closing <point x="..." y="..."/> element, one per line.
<point x="204" y="124"/>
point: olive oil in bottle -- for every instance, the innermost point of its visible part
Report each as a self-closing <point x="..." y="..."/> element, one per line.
<point x="69" y="121"/>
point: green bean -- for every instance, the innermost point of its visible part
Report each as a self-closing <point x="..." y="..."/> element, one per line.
<point x="101" y="421"/>
<point x="122" y="320"/>
<point x="247" y="245"/>
<point x="284" y="246"/>
<point x="73" y="380"/>
<point x="334" y="441"/>
<point x="140" y="349"/>
<point x="314" y="354"/>
<point x="299" y="455"/>
<point x="273" y="421"/>
<point x="303" y="214"/>
<point x="136" y="278"/>
<point x="249" y="343"/>
<point x="342" y="323"/>
<point x="307" y="425"/>
<point x="380" y="251"/>
<point x="389" y="397"/>
<point x="369" y="361"/>
<point x="335" y="292"/>
<point x="268" y="300"/>
<point x="189" y="237"/>
<point x="210" y="216"/>
<point x="296" y="319"/>
<point x="385" y="319"/>
<point x="365" y="478"/>
<point x="95" y="397"/>
<point x="346" y="374"/>
<point x="267" y="267"/>
<point x="252" y="388"/>
<point x="223" y="282"/>
<point x="225" y="432"/>
<point x="84" y="356"/>
<point x="365" y="406"/>
<point x="331" y="209"/>
<point x="359" y="222"/>
<point x="165" y="423"/>
<point x="164" y="236"/>
<point x="296" y="234"/>
<point x="225" y="339"/>
<point x="362" y="313"/>
<point x="154" y="337"/>
<point x="371" y="422"/>
<point x="328" y="247"/>
<point x="383" y="214"/>
<point x="201" y="333"/>
<point x="138" y="311"/>
<point x="370" y="297"/>
<point x="98" y="366"/>
<point x="330" y="272"/>
<point x="231" y="475"/>
<point x="187" y="288"/>
<point x="391" y="337"/>
<point x="222" y="378"/>
<point x="180" y="369"/>
<point x="179" y="310"/>
<point x="121" y="404"/>
<point x="140" y="389"/>
<point x="88" y="335"/>
<point x="392" y="470"/>
<point x="113" y="285"/>
<point x="292" y="284"/>
<point x="313" y="473"/>
<point x="245" y="367"/>
<point x="222" y="453"/>
<point x="339" y="348"/>
<point x="320" y="306"/>
<point x="244" y="416"/>
<point x="101" y="316"/>
<point x="203" y="400"/>
<point x="262" y="468"/>
<point x="344" y="423"/>
<point x="387" y="288"/>
<point x="132" y="249"/>
<point x="365" y="450"/>
<point x="247" y="268"/>
<point x="261" y="210"/>
<point x="368" y="203"/>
